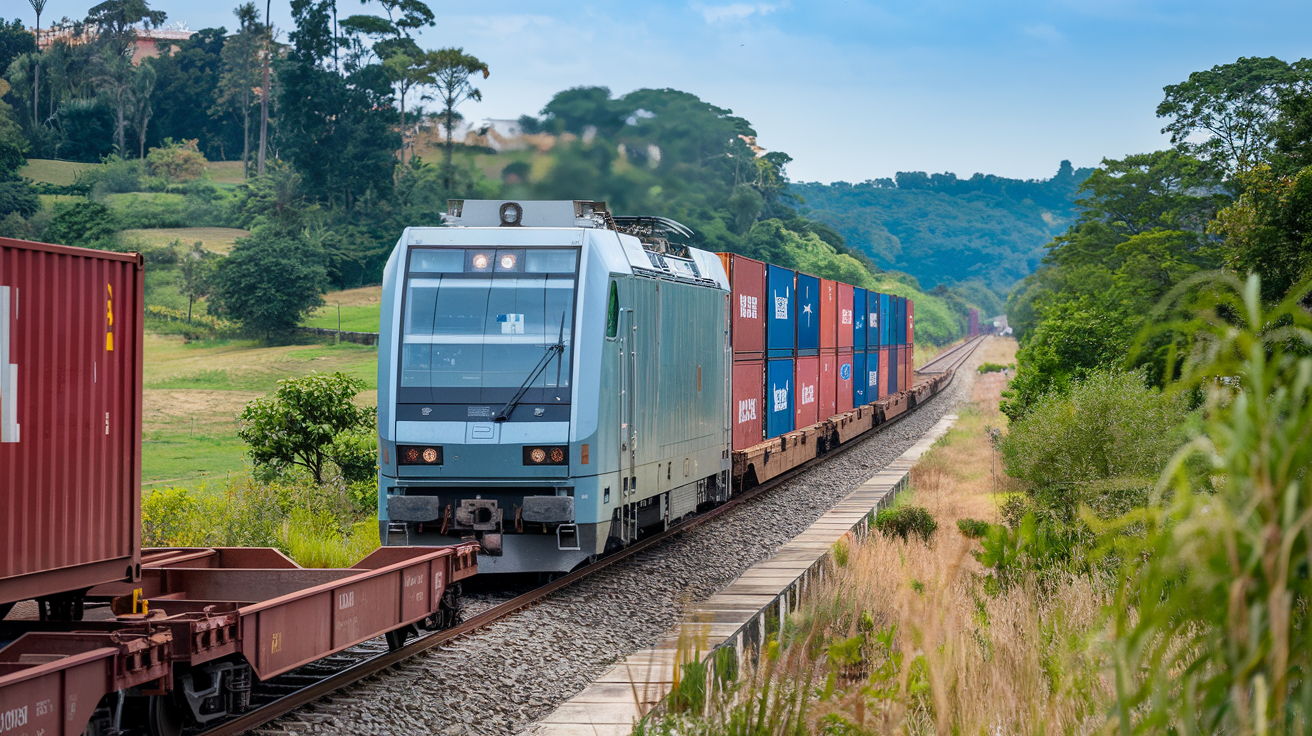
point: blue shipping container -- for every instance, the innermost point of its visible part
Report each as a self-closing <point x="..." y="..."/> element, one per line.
<point x="872" y="319"/>
<point x="885" y="319"/>
<point x="872" y="375"/>
<point x="808" y="314"/>
<point x="893" y="355"/>
<point x="781" y="313"/>
<point x="901" y="321"/>
<point x="779" y="379"/>
<point x="859" y="392"/>
<point x="859" y="319"/>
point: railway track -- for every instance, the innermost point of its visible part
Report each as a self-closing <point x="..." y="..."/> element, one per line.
<point x="308" y="684"/>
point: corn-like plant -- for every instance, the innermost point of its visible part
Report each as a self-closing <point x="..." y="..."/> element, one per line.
<point x="1210" y="627"/>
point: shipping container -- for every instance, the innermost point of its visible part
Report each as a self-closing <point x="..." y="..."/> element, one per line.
<point x="883" y="373"/>
<point x="846" y="316"/>
<point x="779" y="418"/>
<point x="908" y="368"/>
<point x="748" y="403"/>
<point x="747" y="288"/>
<point x="828" y="384"/>
<point x="901" y="321"/>
<point x="860" y="317"/>
<point x="860" y="379"/>
<point x="828" y="314"/>
<point x="70" y="418"/>
<point x="894" y="369"/>
<point x="911" y="322"/>
<point x="781" y="316"/>
<point x="845" y="390"/>
<point x="808" y="314"/>
<point x="806" y="395"/>
<point x="873" y="320"/>
<point x="885" y="319"/>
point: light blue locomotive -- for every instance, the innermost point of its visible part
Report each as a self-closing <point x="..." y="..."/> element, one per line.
<point x="553" y="381"/>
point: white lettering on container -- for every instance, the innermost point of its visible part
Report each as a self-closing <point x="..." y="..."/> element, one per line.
<point x="781" y="305"/>
<point x="13" y="718"/>
<point x="808" y="395"/>
<point x="781" y="398"/>
<point x="847" y="316"/>
<point x="747" y="306"/>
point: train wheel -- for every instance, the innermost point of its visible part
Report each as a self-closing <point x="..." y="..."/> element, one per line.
<point x="396" y="638"/>
<point x="163" y="716"/>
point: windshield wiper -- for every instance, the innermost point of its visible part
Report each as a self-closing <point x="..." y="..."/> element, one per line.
<point x="552" y="351"/>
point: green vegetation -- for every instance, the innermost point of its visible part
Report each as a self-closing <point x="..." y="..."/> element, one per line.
<point x="904" y="522"/>
<point x="995" y="367"/>
<point x="973" y="528"/>
<point x="311" y="422"/>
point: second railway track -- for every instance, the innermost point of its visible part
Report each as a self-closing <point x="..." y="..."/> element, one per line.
<point x="303" y="687"/>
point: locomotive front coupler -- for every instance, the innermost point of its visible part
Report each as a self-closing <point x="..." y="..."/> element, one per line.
<point x="482" y="517"/>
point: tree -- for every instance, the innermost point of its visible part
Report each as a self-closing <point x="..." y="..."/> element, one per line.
<point x="1162" y="189"/>
<point x="241" y="73"/>
<point x="308" y="422"/>
<point x="87" y="224"/>
<point x="409" y="69"/>
<point x="1234" y="106"/>
<point x="453" y="69"/>
<point x="141" y="104"/>
<point x="115" y="82"/>
<point x="1268" y="230"/>
<point x="270" y="282"/>
<point x="188" y="83"/>
<point x="37" y="6"/>
<point x="264" y="89"/>
<point x="196" y="271"/>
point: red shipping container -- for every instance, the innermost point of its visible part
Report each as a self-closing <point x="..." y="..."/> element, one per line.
<point x="845" y="316"/>
<point x="844" y="380"/>
<point x="748" y="403"/>
<point x="911" y="322"/>
<point x="883" y="374"/>
<point x="70" y="418"/>
<point x="828" y="314"/>
<point x="807" y="404"/>
<point x="909" y="369"/>
<point x="828" y="384"/>
<point x="747" y="284"/>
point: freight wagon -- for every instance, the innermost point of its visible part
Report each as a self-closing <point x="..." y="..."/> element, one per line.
<point x="118" y="639"/>
<point x="556" y="382"/>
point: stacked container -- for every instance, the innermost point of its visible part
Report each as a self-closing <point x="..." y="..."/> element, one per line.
<point x="859" y="376"/>
<point x="781" y="346"/>
<point x="747" y="282"/>
<point x="846" y="335"/>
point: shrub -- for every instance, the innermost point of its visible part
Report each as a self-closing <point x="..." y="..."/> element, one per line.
<point x="311" y="422"/>
<point x="973" y="528"/>
<point x="905" y="522"/>
<point x="85" y="224"/>
<point x="115" y="175"/>
<point x="18" y="198"/>
<point x="270" y="281"/>
<point x="996" y="367"/>
<point x="176" y="162"/>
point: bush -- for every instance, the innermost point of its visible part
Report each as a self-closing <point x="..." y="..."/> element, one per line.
<point x="84" y="224"/>
<point x="176" y="162"/>
<point x="973" y="528"/>
<point x="18" y="198"/>
<point x="996" y="367"/>
<point x="311" y="422"/>
<point x="905" y="522"/>
<point x="270" y="281"/>
<point x="115" y="175"/>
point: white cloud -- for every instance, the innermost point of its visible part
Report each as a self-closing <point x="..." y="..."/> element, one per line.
<point x="1044" y="32"/>
<point x="735" y="11"/>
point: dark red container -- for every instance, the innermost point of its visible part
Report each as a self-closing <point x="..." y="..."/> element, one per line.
<point x="846" y="317"/>
<point x="828" y="384"/>
<point x="828" y="314"/>
<point x="807" y="403"/>
<point x="907" y="374"/>
<point x="884" y="388"/>
<point x="844" y="380"/>
<point x="748" y="403"/>
<point x="911" y="322"/>
<point x="747" y="285"/>
<point x="70" y="418"/>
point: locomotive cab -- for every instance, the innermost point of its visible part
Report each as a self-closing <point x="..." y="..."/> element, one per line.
<point x="549" y="384"/>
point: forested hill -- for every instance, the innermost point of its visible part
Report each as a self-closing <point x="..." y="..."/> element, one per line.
<point x="945" y="230"/>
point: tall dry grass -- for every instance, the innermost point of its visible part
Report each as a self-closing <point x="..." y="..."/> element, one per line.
<point x="913" y="638"/>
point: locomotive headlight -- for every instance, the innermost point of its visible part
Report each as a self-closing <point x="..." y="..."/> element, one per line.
<point x="507" y="261"/>
<point x="552" y="455"/>
<point x="480" y="261"/>
<point x="511" y="214"/>
<point x="418" y="455"/>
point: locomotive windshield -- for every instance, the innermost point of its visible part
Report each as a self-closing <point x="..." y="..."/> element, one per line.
<point x="478" y="321"/>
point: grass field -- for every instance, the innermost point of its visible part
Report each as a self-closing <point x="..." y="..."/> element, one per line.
<point x="194" y="392"/>
<point x="54" y="172"/>
<point x="225" y="172"/>
<point x="217" y="239"/>
<point x="360" y="308"/>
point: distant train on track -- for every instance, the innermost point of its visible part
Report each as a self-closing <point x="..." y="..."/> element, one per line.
<point x="555" y="381"/>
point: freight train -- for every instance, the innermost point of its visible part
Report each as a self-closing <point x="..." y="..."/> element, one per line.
<point x="555" y="381"/>
<point x="97" y="635"/>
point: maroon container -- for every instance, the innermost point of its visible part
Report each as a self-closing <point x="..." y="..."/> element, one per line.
<point x="828" y="384"/>
<point x="906" y="375"/>
<point x="846" y="316"/>
<point x="70" y="418"/>
<point x="883" y="374"/>
<point x="747" y="283"/>
<point x="829" y="314"/>
<point x="844" y="380"/>
<point x="748" y="403"/>
<point x="807" y="402"/>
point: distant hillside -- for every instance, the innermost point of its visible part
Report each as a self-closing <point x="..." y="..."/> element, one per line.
<point x="945" y="230"/>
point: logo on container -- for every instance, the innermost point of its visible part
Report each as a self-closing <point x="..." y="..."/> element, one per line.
<point x="746" y="306"/>
<point x="873" y="378"/>
<point x="808" y="395"/>
<point x="781" y="398"/>
<point x="845" y="371"/>
<point x="847" y="316"/>
<point x="781" y="305"/>
<point x="8" y="370"/>
<point x="746" y="410"/>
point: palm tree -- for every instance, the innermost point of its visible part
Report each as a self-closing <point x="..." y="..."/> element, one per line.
<point x="38" y="6"/>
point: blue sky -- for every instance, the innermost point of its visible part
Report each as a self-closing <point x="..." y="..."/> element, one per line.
<point x="858" y="90"/>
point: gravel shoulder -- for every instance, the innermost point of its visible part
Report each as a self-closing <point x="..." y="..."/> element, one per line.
<point x="502" y="679"/>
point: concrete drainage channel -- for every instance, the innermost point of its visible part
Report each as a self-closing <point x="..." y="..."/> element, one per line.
<point x="512" y="673"/>
<point x="737" y="617"/>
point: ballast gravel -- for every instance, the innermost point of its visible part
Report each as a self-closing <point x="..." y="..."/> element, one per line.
<point x="499" y="681"/>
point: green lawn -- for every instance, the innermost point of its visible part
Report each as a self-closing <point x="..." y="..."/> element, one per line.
<point x="354" y="318"/>
<point x="194" y="392"/>
<point x="54" y="172"/>
<point x="123" y="200"/>
<point x="217" y="239"/>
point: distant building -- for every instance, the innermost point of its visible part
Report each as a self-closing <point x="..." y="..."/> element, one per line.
<point x="150" y="41"/>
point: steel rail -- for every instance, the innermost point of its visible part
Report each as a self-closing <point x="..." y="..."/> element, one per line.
<point x="264" y="714"/>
